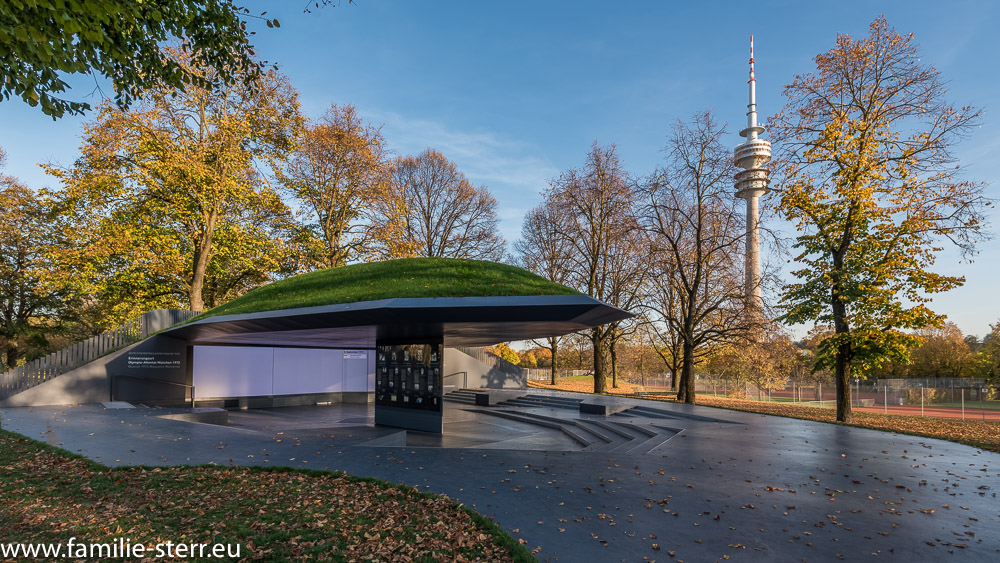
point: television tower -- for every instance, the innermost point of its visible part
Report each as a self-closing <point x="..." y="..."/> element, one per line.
<point x="751" y="183"/>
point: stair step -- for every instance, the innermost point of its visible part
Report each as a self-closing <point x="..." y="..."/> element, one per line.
<point x="650" y="444"/>
<point x="617" y="445"/>
<point x="460" y="400"/>
<point x="611" y="428"/>
<point x="637" y="428"/>
<point x="518" y="417"/>
<point x="662" y="413"/>
<point x="532" y="402"/>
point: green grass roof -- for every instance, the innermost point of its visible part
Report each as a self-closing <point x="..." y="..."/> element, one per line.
<point x="405" y="277"/>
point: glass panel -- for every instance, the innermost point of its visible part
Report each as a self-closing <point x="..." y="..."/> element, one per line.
<point x="409" y="376"/>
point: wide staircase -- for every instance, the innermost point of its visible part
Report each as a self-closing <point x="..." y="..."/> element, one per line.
<point x="43" y="369"/>
<point x="634" y="431"/>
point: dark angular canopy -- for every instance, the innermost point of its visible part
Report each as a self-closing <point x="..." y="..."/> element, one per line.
<point x="459" y="321"/>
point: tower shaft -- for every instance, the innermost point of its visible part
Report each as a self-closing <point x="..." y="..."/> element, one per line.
<point x="751" y="183"/>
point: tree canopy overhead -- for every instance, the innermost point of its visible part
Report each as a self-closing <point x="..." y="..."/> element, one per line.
<point x="42" y="41"/>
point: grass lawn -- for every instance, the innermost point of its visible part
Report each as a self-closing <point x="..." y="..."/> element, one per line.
<point x="969" y="405"/>
<point x="273" y="514"/>
<point x="406" y="277"/>
<point x="570" y="378"/>
<point x="981" y="434"/>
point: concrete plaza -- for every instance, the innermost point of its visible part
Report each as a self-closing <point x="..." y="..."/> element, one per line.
<point x="655" y="480"/>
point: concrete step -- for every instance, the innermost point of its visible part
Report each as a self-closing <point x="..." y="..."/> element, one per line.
<point x="578" y="437"/>
<point x="651" y="444"/>
<point x="637" y="428"/>
<point x="583" y="425"/>
<point x="459" y="400"/>
<point x="650" y="412"/>
<point x="530" y="401"/>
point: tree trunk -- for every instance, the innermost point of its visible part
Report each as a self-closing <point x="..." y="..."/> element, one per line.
<point x="687" y="375"/>
<point x="614" y="365"/>
<point x="681" y="384"/>
<point x="597" y="339"/>
<point x="842" y="362"/>
<point x="678" y="378"/>
<point x="554" y="348"/>
<point x="11" y="355"/>
<point x="842" y="381"/>
<point x="200" y="266"/>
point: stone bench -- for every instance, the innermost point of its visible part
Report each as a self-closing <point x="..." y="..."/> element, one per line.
<point x="491" y="398"/>
<point x="603" y="407"/>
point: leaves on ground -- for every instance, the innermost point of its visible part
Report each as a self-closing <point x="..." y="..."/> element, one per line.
<point x="273" y="514"/>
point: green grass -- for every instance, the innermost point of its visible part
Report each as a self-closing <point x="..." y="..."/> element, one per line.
<point x="576" y="378"/>
<point x="274" y="514"/>
<point x="969" y="405"/>
<point x="406" y="277"/>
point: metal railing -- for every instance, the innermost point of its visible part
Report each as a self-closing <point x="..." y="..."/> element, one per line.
<point x="22" y="378"/>
<point x="544" y="374"/>
<point x="465" y="380"/>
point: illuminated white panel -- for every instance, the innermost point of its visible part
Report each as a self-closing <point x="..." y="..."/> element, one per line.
<point x="307" y="370"/>
<point x="232" y="371"/>
<point x="359" y="370"/>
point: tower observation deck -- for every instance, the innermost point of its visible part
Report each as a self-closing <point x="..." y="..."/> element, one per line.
<point x="751" y="183"/>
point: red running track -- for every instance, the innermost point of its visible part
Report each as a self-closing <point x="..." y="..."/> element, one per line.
<point x="941" y="412"/>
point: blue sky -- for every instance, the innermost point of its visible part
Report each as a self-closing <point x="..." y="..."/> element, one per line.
<point x="515" y="92"/>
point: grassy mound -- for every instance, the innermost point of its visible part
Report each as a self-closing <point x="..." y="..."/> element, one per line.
<point x="275" y="514"/>
<point x="406" y="277"/>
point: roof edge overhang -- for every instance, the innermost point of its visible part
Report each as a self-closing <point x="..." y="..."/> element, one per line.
<point x="459" y="320"/>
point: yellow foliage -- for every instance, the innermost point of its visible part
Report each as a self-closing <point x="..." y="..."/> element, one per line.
<point x="866" y="175"/>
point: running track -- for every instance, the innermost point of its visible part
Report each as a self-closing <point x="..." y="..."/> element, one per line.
<point x="941" y="412"/>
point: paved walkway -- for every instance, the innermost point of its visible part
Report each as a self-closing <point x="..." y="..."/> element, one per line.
<point x="720" y="483"/>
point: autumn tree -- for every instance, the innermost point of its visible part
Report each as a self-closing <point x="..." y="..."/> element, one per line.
<point x="866" y="174"/>
<point x="769" y="359"/>
<point x="765" y="360"/>
<point x="628" y="268"/>
<point x="543" y="250"/>
<point x="431" y="209"/>
<point x="597" y="203"/>
<point x="814" y="370"/>
<point x="988" y="356"/>
<point x="168" y="195"/>
<point x="941" y="352"/>
<point x="666" y="343"/>
<point x="24" y="238"/>
<point x="505" y="352"/>
<point x="696" y="232"/>
<point x="338" y="171"/>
